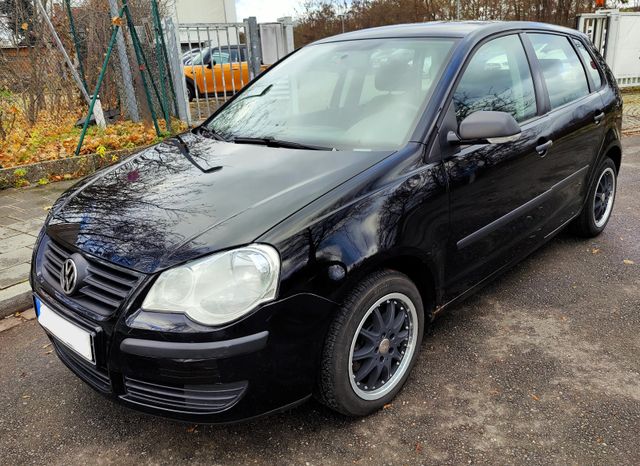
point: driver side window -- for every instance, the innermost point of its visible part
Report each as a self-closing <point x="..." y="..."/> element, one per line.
<point x="497" y="78"/>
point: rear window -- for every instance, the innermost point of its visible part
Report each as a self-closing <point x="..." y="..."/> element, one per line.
<point x="592" y="68"/>
<point x="562" y="70"/>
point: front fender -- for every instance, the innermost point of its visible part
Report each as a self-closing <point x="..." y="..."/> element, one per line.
<point x="396" y="209"/>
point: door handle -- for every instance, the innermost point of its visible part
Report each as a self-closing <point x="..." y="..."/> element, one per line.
<point x="598" y="117"/>
<point x="542" y="148"/>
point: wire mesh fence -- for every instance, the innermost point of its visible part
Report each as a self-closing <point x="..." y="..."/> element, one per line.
<point x="59" y="58"/>
<point x="32" y="68"/>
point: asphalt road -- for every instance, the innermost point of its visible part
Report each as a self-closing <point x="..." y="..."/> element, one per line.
<point x="540" y="367"/>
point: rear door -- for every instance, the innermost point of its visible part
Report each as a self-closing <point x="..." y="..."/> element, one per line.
<point x="494" y="188"/>
<point x="575" y="112"/>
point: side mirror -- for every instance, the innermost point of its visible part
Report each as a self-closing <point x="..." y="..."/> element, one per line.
<point x="484" y="127"/>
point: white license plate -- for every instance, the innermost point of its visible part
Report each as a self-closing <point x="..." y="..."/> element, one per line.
<point x="76" y="338"/>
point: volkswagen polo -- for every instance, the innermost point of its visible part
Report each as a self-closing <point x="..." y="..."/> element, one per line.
<point x="298" y="242"/>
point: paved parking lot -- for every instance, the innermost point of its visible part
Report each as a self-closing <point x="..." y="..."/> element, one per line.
<point x="540" y="367"/>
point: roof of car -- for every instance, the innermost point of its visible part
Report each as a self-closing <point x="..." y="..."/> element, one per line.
<point x="446" y="29"/>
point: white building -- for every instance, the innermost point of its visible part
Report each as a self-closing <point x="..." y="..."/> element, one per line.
<point x="192" y="12"/>
<point x="616" y="35"/>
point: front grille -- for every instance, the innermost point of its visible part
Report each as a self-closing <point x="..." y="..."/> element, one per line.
<point x="94" y="376"/>
<point x="189" y="399"/>
<point x="104" y="289"/>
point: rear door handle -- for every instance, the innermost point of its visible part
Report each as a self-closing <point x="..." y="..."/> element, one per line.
<point x="542" y="148"/>
<point x="598" y="117"/>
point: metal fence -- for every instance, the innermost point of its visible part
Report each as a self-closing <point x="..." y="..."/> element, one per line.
<point x="616" y="35"/>
<point x="33" y="69"/>
<point x="158" y="70"/>
<point x="219" y="59"/>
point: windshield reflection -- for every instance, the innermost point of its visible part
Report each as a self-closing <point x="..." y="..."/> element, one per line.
<point x="354" y="95"/>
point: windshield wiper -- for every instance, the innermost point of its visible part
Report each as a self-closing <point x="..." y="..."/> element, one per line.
<point x="272" y="142"/>
<point x="206" y="132"/>
<point x="260" y="94"/>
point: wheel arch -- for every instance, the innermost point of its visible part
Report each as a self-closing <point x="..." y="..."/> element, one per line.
<point x="614" y="152"/>
<point x="420" y="270"/>
<point x="611" y="148"/>
<point x="421" y="275"/>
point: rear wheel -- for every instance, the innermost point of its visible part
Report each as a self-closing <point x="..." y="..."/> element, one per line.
<point x="597" y="210"/>
<point x="372" y="344"/>
<point x="191" y="92"/>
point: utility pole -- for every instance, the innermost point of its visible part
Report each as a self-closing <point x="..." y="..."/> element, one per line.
<point x="130" y="101"/>
<point x="97" y="108"/>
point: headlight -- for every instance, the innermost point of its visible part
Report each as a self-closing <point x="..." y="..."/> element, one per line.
<point x="219" y="288"/>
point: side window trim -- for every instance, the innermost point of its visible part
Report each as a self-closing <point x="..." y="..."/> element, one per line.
<point x="471" y="55"/>
<point x="585" y="65"/>
<point x="534" y="56"/>
<point x="542" y="94"/>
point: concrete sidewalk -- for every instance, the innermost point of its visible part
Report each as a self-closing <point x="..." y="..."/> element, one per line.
<point x="22" y="212"/>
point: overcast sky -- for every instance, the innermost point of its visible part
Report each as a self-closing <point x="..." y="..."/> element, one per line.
<point x="267" y="10"/>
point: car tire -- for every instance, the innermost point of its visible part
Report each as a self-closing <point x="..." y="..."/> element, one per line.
<point x="379" y="326"/>
<point x="597" y="209"/>
<point x="191" y="93"/>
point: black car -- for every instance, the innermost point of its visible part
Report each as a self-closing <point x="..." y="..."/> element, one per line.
<point x="298" y="242"/>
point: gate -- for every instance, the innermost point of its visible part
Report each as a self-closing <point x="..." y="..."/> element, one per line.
<point x="216" y="60"/>
<point x="616" y="35"/>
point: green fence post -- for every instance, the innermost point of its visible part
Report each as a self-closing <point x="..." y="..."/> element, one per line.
<point x="160" y="58"/>
<point x="103" y="71"/>
<point x="142" y="64"/>
<point x="76" y="42"/>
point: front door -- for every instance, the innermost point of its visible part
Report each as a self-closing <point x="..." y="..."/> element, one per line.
<point x="495" y="189"/>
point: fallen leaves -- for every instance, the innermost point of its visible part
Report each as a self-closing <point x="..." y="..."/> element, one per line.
<point x="55" y="137"/>
<point x="628" y="262"/>
<point x="534" y="397"/>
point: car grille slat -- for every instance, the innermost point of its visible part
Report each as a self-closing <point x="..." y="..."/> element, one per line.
<point x="58" y="250"/>
<point x="116" y="291"/>
<point x="54" y="259"/>
<point x="93" y="293"/>
<point x="205" y="395"/>
<point x="105" y="288"/>
<point x="119" y="278"/>
<point x="203" y="399"/>
<point x="53" y="271"/>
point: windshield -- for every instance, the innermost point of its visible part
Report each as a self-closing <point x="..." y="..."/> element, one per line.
<point x="205" y="56"/>
<point x="353" y="95"/>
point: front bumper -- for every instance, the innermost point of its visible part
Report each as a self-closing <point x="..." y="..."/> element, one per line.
<point x="264" y="363"/>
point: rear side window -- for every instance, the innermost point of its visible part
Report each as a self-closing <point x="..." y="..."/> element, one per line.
<point x="497" y="78"/>
<point x="592" y="68"/>
<point x="563" y="73"/>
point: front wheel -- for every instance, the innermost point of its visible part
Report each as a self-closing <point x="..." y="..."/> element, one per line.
<point x="599" y="205"/>
<point x="372" y="344"/>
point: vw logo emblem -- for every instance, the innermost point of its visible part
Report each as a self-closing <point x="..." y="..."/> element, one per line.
<point x="68" y="276"/>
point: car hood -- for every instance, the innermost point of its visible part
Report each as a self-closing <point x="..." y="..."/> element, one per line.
<point x="192" y="195"/>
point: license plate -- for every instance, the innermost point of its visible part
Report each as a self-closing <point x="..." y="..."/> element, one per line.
<point x="68" y="333"/>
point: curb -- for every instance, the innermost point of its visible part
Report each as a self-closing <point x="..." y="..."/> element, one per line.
<point x="18" y="303"/>
<point x="76" y="166"/>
